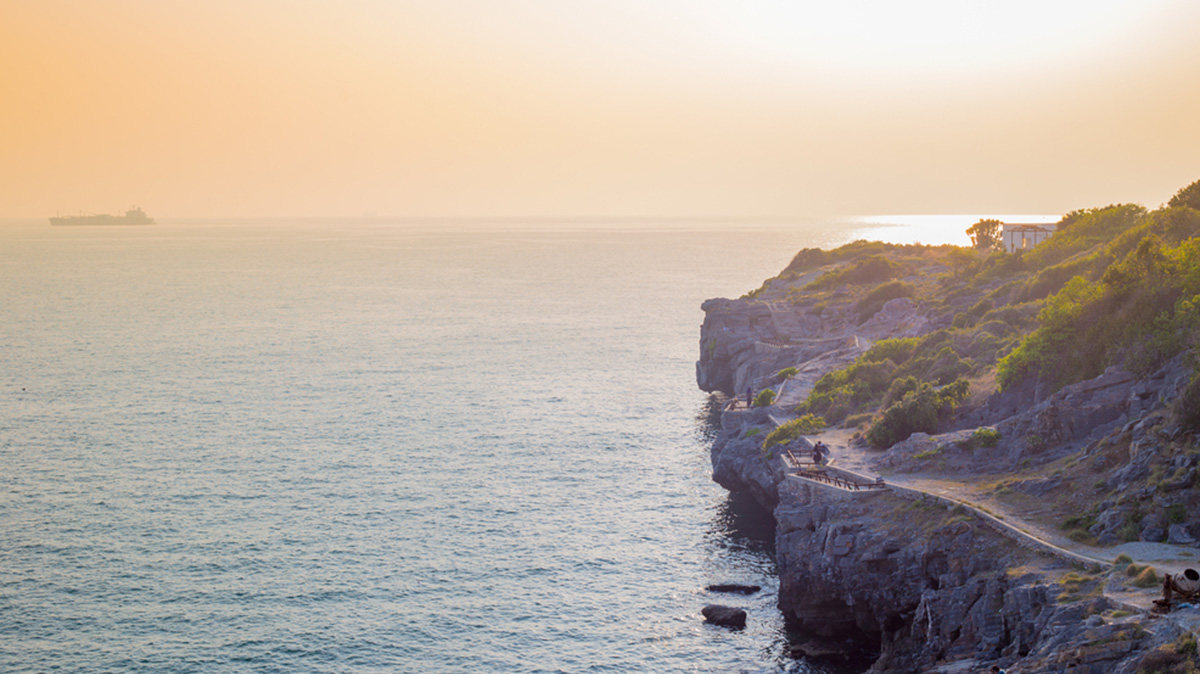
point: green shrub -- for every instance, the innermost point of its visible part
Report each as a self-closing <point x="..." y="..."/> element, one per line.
<point x="764" y="398"/>
<point x="1077" y="527"/>
<point x="1176" y="513"/>
<point x="1078" y="522"/>
<point x="947" y="366"/>
<point x="1055" y="350"/>
<point x="806" y="260"/>
<point x="858" y="420"/>
<point x="805" y="425"/>
<point x="1081" y="230"/>
<point x="842" y="392"/>
<point x="787" y="372"/>
<point x="899" y="388"/>
<point x="873" y="269"/>
<point x="1187" y="196"/>
<point x="873" y="301"/>
<point x="918" y="411"/>
<point x="1016" y="316"/>
<point x="995" y="328"/>
<point x="933" y="451"/>
<point x="1051" y="279"/>
<point x="985" y="437"/>
<point x="751" y="432"/>
<point x="969" y="318"/>
<point x="895" y="350"/>
<point x="1081" y="536"/>
<point x="1128" y="532"/>
<point x="1147" y="578"/>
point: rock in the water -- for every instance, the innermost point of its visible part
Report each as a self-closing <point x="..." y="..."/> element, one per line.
<point x="726" y="616"/>
<point x="733" y="587"/>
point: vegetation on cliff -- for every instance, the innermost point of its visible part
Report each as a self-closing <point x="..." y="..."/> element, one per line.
<point x="1116" y="285"/>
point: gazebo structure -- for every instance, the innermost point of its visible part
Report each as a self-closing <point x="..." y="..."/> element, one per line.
<point x="1018" y="236"/>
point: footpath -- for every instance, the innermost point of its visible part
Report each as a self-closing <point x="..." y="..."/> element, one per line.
<point x="853" y="462"/>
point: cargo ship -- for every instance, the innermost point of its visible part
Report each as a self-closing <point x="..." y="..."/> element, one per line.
<point x="134" y="216"/>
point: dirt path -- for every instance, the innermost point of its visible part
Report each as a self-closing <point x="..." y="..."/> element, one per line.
<point x="1164" y="557"/>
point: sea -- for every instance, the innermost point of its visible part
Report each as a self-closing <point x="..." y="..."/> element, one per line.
<point x="372" y="445"/>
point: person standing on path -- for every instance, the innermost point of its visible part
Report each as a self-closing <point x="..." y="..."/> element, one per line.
<point x="749" y="396"/>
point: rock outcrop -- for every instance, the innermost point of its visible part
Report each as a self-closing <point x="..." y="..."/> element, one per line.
<point x="725" y="616"/>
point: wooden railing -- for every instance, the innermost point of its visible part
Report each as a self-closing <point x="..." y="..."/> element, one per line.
<point x="810" y="470"/>
<point x="822" y="476"/>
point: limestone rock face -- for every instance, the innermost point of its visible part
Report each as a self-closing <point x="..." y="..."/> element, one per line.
<point x="744" y="342"/>
<point x="739" y="461"/>
<point x="895" y="577"/>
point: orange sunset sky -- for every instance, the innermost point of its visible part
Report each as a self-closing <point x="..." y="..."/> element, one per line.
<point x="595" y="108"/>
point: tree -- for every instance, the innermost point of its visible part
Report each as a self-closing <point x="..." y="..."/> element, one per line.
<point x="985" y="234"/>
<point x="1188" y="196"/>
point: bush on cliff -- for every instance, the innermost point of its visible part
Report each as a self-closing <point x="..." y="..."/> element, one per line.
<point x="842" y="392"/>
<point x="764" y="398"/>
<point x="969" y="318"/>
<point x="893" y="367"/>
<point x="805" y="425"/>
<point x="919" y="411"/>
<point x="1142" y="312"/>
<point x="874" y="300"/>
<point x="1188" y="196"/>
<point x="873" y="269"/>
<point x="895" y="350"/>
<point x="806" y="260"/>
<point x="984" y="438"/>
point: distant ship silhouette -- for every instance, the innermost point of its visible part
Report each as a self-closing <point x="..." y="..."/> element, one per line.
<point x="134" y="216"/>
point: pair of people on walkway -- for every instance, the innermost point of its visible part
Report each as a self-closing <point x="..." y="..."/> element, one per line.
<point x="820" y="453"/>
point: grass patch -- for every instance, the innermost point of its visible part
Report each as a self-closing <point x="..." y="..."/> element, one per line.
<point x="1077" y="586"/>
<point x="1147" y="578"/>
<point x="1076" y="528"/>
<point x="805" y="425"/>
<point x="928" y="453"/>
<point x="858" y="420"/>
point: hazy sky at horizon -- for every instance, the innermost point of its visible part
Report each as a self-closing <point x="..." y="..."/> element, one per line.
<point x="595" y="107"/>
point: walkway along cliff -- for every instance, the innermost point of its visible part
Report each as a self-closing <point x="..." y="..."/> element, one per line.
<point x="1027" y="525"/>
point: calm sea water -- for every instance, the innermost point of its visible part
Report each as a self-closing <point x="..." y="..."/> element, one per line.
<point x="372" y="447"/>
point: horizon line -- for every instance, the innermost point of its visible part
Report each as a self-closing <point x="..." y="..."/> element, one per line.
<point x="581" y="218"/>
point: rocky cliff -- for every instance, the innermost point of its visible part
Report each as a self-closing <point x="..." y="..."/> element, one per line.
<point x="931" y="589"/>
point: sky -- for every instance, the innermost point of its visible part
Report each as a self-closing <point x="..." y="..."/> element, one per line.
<point x="595" y="108"/>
